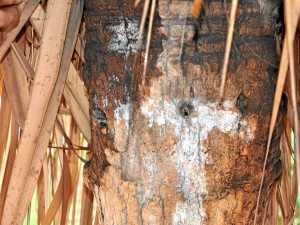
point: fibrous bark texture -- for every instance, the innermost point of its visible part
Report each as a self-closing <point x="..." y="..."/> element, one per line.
<point x="172" y="152"/>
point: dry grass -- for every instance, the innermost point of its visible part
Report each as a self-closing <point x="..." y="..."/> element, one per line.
<point x="42" y="119"/>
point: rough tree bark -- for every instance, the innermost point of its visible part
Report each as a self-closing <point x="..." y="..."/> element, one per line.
<point x="173" y="153"/>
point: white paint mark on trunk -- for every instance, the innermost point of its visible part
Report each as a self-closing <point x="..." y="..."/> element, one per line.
<point x="125" y="36"/>
<point x="104" y="102"/>
<point x="189" y="157"/>
<point x="207" y="116"/>
<point x="190" y="154"/>
<point x="121" y="126"/>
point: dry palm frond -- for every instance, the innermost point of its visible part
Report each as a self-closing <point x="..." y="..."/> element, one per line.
<point x="286" y="59"/>
<point x="41" y="94"/>
<point x="75" y="94"/>
<point x="87" y="207"/>
<point x="17" y="92"/>
<point x="76" y="88"/>
<point x="22" y="58"/>
<point x="142" y="24"/>
<point x="5" y="115"/>
<point x="51" y="212"/>
<point x="50" y="116"/>
<point x="66" y="188"/>
<point x="234" y="5"/>
<point x="14" y="138"/>
<point x="22" y="61"/>
<point x="140" y="36"/>
<point x="80" y="117"/>
<point x="278" y="93"/>
<point x="292" y="13"/>
<point x="136" y="3"/>
<point x="148" y="41"/>
<point x="183" y="32"/>
<point x="27" y="9"/>
<point x="42" y="189"/>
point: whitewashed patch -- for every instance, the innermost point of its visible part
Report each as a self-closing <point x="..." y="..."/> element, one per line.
<point x="190" y="155"/>
<point x="121" y="125"/>
<point x="189" y="214"/>
<point x="104" y="102"/>
<point x="207" y="116"/>
<point x="125" y="35"/>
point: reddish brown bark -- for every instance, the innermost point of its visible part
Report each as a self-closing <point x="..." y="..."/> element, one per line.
<point x="176" y="154"/>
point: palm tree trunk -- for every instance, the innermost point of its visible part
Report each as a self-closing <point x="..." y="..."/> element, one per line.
<point x="172" y="152"/>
